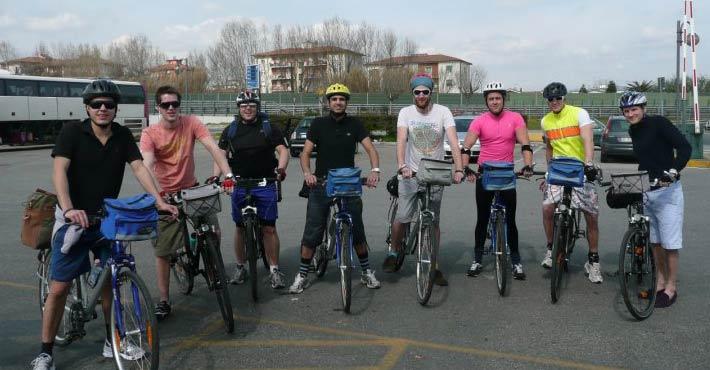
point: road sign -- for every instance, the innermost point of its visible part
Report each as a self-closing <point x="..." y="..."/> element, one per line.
<point x="252" y="76"/>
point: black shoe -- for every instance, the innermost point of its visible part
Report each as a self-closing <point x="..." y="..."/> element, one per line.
<point x="439" y="279"/>
<point x="162" y="310"/>
<point x="475" y="269"/>
<point x="390" y="264"/>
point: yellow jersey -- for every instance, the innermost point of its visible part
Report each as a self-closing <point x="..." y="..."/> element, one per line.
<point x="563" y="131"/>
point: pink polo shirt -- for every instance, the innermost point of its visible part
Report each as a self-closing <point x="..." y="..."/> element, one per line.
<point x="497" y="135"/>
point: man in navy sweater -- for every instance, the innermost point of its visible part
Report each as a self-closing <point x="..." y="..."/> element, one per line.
<point x="662" y="151"/>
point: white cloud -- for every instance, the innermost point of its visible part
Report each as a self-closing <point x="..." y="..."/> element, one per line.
<point x="55" y="23"/>
<point x="121" y="40"/>
<point x="6" y="20"/>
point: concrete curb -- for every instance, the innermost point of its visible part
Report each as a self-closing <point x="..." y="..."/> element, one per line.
<point x="19" y="148"/>
<point x="535" y="137"/>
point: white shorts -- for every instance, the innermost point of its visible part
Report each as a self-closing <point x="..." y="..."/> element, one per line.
<point x="584" y="198"/>
<point x="664" y="207"/>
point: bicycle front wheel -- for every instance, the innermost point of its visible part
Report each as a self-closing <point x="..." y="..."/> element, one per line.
<point x="182" y="271"/>
<point x="426" y="264"/>
<point x="135" y="340"/>
<point x="502" y="263"/>
<point x="637" y="274"/>
<point x="252" y="254"/>
<point x="212" y="258"/>
<point x="346" y="266"/>
<point x="559" y="255"/>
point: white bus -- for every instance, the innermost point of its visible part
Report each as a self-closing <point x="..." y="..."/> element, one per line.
<point x="33" y="109"/>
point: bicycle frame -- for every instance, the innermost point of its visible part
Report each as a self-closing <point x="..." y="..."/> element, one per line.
<point x="424" y="217"/>
<point x="342" y="216"/>
<point x="497" y="210"/>
<point x="571" y="218"/>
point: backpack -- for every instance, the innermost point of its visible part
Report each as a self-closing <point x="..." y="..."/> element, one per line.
<point x="38" y="219"/>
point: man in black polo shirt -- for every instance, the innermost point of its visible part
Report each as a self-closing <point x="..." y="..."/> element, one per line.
<point x="336" y="137"/>
<point x="89" y="162"/>
<point x="662" y="151"/>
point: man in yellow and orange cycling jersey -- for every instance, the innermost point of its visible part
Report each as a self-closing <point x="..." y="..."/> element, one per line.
<point x="568" y="130"/>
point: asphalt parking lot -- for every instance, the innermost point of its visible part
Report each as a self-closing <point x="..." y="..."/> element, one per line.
<point x="466" y="325"/>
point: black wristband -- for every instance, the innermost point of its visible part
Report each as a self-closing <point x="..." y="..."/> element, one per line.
<point x="526" y="147"/>
<point x="465" y="151"/>
<point x="67" y="211"/>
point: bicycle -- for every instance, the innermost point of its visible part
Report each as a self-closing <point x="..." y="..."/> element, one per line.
<point x="135" y="340"/>
<point x="498" y="176"/>
<point x="326" y="250"/>
<point x="253" y="240"/>
<point x="637" y="266"/>
<point x="568" y="173"/>
<point x="196" y="204"/>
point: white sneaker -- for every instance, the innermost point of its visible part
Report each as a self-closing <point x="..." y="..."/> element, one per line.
<point x="299" y="284"/>
<point x="42" y="362"/>
<point x="130" y="352"/>
<point x="547" y="261"/>
<point x="276" y="278"/>
<point x="239" y="276"/>
<point x="594" y="272"/>
<point x="368" y="278"/>
<point x="518" y="273"/>
<point x="475" y="269"/>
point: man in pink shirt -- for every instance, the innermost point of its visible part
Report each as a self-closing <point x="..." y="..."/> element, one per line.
<point x="498" y="130"/>
<point x="167" y="149"/>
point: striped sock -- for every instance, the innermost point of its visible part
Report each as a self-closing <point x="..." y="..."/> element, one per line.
<point x="305" y="266"/>
<point x="364" y="262"/>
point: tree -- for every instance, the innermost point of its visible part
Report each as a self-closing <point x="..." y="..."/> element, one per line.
<point x="7" y="51"/>
<point x="135" y="56"/>
<point x="228" y="57"/>
<point x="640" y="86"/>
<point x="611" y="87"/>
<point x="583" y="89"/>
<point x="395" y="81"/>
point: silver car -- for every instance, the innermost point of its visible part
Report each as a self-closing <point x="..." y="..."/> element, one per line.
<point x="462" y="123"/>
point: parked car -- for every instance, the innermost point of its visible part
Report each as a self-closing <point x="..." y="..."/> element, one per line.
<point x="462" y="123"/>
<point x="598" y="130"/>
<point x="298" y="136"/>
<point x="616" y="141"/>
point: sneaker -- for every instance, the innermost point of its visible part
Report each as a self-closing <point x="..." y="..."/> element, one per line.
<point x="239" y="276"/>
<point x="518" y="273"/>
<point x="547" y="261"/>
<point x="594" y="271"/>
<point x="390" y="264"/>
<point x="277" y="279"/>
<point x="43" y="362"/>
<point x="475" y="269"/>
<point x="162" y="310"/>
<point x="299" y="284"/>
<point x="439" y="279"/>
<point x="131" y="352"/>
<point x="368" y="278"/>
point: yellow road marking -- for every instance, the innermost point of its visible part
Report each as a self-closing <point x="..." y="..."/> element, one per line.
<point x="393" y="355"/>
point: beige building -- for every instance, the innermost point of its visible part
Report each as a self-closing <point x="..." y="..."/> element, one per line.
<point x="307" y="69"/>
<point x="45" y="65"/>
<point x="450" y="74"/>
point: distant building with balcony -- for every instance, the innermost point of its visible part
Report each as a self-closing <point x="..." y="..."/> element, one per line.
<point x="171" y="68"/>
<point x="45" y="65"/>
<point x="306" y="69"/>
<point x="450" y="74"/>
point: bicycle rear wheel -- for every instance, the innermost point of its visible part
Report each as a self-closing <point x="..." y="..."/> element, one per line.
<point x="214" y="266"/>
<point x="426" y="264"/>
<point x="135" y="340"/>
<point x="324" y="252"/>
<point x="637" y="274"/>
<point x="250" y="239"/>
<point x="559" y="255"/>
<point x="502" y="263"/>
<point x="181" y="267"/>
<point x="346" y="266"/>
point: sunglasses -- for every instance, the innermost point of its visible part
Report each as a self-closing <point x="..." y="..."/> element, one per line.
<point x="248" y="105"/>
<point x="168" y="104"/>
<point x="98" y="103"/>
<point x="421" y="92"/>
<point x="555" y="98"/>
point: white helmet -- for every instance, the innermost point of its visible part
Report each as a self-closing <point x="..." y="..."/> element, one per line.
<point x="494" y="86"/>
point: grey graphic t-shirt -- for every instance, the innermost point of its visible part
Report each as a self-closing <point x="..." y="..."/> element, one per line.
<point x="426" y="133"/>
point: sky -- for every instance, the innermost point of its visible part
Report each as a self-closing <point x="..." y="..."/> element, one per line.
<point x="523" y="43"/>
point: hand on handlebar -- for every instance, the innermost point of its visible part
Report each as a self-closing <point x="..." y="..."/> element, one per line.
<point x="527" y="171"/>
<point x="280" y="174"/>
<point x="470" y="174"/>
<point x="590" y="171"/>
<point x="161" y="205"/>
<point x="77" y="216"/>
<point x="458" y="177"/>
<point x="372" y="180"/>
<point x="669" y="176"/>
<point x="406" y="172"/>
<point x="311" y="180"/>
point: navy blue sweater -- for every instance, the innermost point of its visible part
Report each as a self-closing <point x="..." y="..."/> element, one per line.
<point x="654" y="139"/>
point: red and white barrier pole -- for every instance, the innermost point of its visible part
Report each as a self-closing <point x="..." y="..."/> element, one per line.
<point x="690" y="23"/>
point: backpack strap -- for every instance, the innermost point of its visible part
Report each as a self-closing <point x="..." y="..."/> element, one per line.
<point x="265" y="124"/>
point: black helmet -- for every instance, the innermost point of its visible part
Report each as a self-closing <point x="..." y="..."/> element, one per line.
<point x="101" y="88"/>
<point x="393" y="186"/>
<point x="554" y="90"/>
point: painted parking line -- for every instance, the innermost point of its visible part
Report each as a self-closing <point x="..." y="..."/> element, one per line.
<point x="17" y="285"/>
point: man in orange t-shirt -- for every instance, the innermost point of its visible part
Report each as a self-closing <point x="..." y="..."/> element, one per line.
<point x="167" y="149"/>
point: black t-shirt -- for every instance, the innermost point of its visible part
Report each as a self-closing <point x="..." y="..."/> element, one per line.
<point x="335" y="141"/>
<point x="654" y="140"/>
<point x="96" y="170"/>
<point x="251" y="153"/>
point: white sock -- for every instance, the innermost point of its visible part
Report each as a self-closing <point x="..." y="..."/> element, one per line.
<point x="274" y="268"/>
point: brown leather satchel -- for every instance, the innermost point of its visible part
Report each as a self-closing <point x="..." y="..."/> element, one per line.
<point x="38" y="219"/>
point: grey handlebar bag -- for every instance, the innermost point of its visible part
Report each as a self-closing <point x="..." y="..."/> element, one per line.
<point x="435" y="172"/>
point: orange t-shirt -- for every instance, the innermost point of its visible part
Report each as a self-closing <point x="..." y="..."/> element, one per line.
<point x="173" y="150"/>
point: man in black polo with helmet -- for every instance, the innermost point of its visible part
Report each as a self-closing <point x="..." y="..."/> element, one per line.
<point x="89" y="162"/>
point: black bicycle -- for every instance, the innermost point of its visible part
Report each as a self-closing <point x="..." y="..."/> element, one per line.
<point x="197" y="205"/>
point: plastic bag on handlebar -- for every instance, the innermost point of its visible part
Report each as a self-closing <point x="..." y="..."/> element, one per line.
<point x="498" y="176"/>
<point x="129" y="219"/>
<point x="565" y="171"/>
<point x="344" y="182"/>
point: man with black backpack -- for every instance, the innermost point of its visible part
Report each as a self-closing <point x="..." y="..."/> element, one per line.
<point x="249" y="143"/>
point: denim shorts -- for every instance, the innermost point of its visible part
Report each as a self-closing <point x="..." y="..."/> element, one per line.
<point x="265" y="199"/>
<point x="317" y="217"/>
<point x="664" y="207"/>
<point x="66" y="267"/>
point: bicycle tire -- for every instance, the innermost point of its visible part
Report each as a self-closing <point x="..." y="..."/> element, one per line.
<point x="346" y="266"/>
<point x="251" y="251"/>
<point x="262" y="253"/>
<point x="213" y="257"/>
<point x="182" y="270"/>
<point x="637" y="274"/>
<point x="62" y="338"/>
<point x="139" y="321"/>
<point x="325" y="250"/>
<point x="502" y="260"/>
<point x="43" y="257"/>
<point x="426" y="262"/>
<point x="559" y="255"/>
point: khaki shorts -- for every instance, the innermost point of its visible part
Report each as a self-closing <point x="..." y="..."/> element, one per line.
<point x="407" y="202"/>
<point x="584" y="198"/>
<point x="171" y="235"/>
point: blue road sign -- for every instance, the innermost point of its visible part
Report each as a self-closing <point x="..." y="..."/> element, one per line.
<point x="252" y="76"/>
